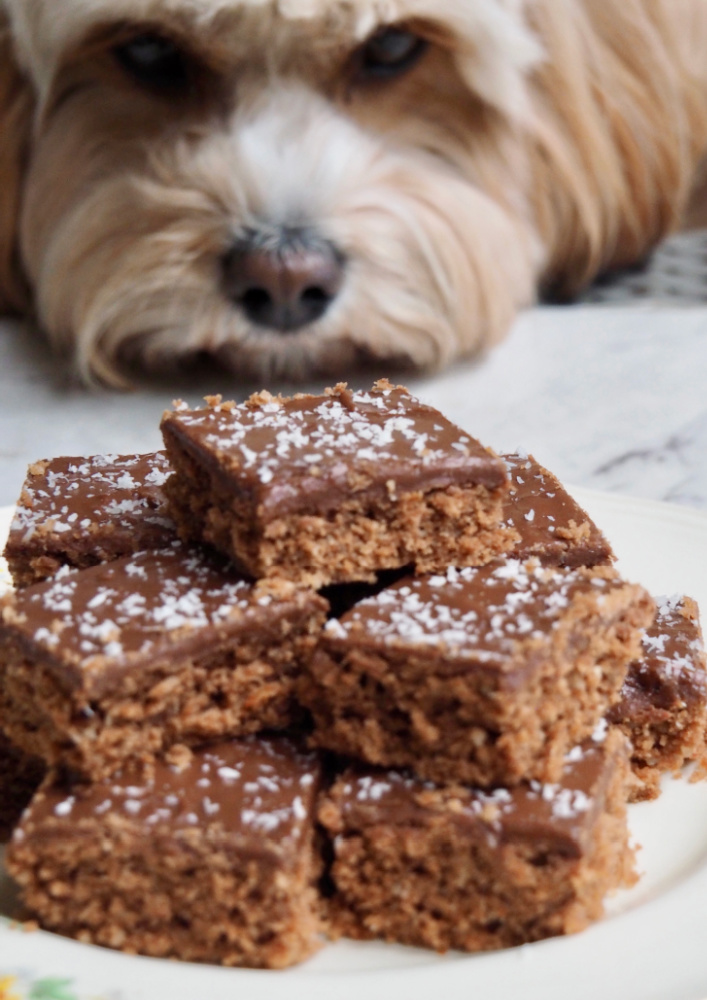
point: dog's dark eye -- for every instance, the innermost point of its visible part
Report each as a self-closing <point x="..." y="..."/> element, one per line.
<point x="391" y="51"/>
<point x="154" y="62"/>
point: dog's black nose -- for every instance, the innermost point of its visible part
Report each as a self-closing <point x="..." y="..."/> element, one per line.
<point x="284" y="283"/>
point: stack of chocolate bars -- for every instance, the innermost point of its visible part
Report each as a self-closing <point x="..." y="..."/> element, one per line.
<point x="327" y="666"/>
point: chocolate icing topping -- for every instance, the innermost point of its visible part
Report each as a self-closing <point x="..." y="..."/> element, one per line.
<point x="562" y="813"/>
<point x="311" y="453"/>
<point x="671" y="671"/>
<point x="551" y="524"/>
<point x="478" y="614"/>
<point x="260" y="791"/>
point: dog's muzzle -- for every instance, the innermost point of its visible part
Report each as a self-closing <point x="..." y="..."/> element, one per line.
<point x="283" y="279"/>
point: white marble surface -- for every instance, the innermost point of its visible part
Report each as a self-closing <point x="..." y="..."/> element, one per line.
<point x="611" y="398"/>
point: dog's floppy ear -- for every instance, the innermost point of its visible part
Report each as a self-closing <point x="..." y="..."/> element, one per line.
<point x="16" y="107"/>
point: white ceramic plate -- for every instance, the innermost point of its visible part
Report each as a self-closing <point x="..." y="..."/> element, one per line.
<point x="651" y="946"/>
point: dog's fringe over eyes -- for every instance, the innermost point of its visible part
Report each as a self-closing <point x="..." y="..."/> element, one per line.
<point x="398" y="178"/>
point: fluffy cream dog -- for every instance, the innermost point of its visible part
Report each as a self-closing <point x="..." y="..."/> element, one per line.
<point x="295" y="185"/>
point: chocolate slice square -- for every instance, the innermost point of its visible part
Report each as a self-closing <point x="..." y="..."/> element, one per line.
<point x="123" y="660"/>
<point x="482" y="675"/>
<point x="453" y="867"/>
<point x="82" y="511"/>
<point x="211" y="862"/>
<point x="550" y="523"/>
<point x="663" y="703"/>
<point x="334" y="488"/>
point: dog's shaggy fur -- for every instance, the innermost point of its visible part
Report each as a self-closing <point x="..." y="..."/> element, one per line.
<point x="533" y="144"/>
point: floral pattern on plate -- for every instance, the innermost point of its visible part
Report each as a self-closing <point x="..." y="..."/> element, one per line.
<point x="25" y="986"/>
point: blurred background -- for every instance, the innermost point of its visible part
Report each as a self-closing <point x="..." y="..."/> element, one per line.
<point x="608" y="393"/>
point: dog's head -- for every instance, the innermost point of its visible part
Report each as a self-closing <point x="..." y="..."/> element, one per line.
<point x="289" y="185"/>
